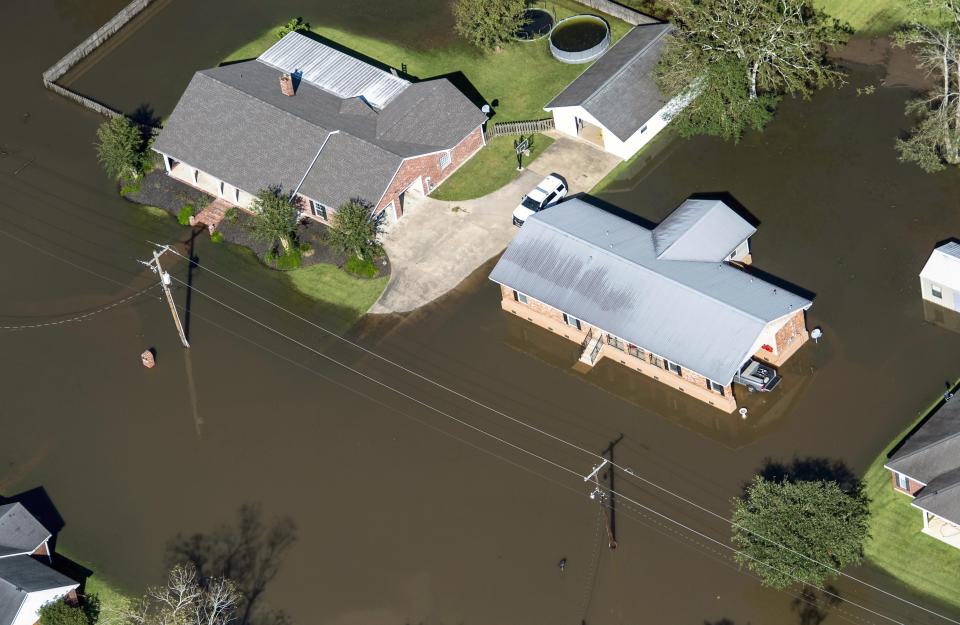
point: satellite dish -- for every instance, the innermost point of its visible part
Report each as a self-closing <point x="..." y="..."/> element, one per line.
<point x="815" y="334"/>
<point x="485" y="109"/>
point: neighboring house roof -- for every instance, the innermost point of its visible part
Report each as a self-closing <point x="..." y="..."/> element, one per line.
<point x="943" y="266"/>
<point x="942" y="496"/>
<point x="705" y="230"/>
<point x="619" y="89"/>
<point x="332" y="70"/>
<point x="20" y="532"/>
<point x="234" y="123"/>
<point x="596" y="266"/>
<point x="933" y="449"/>
<point x="22" y="575"/>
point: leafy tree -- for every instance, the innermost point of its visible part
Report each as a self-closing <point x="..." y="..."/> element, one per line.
<point x="353" y="230"/>
<point x="488" y="24"/>
<point x="274" y="217"/>
<point x="935" y="141"/>
<point x="813" y="522"/>
<point x="121" y="148"/>
<point x="294" y="25"/>
<point x="184" y="600"/>
<point x="62" y="613"/>
<point x="778" y="47"/>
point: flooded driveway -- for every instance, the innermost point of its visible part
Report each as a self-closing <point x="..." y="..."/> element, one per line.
<point x="405" y="515"/>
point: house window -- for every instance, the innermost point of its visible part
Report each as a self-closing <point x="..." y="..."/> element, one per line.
<point x="571" y="321"/>
<point x="519" y="297"/>
<point x="656" y="361"/>
<point x="674" y="367"/>
<point x="616" y="342"/>
<point x="903" y="482"/>
<point x="936" y="292"/>
<point x="635" y="351"/>
<point x="444" y="160"/>
<point x="318" y="209"/>
<point x="716" y="388"/>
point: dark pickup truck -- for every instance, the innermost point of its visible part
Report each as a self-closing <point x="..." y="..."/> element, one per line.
<point x="757" y="376"/>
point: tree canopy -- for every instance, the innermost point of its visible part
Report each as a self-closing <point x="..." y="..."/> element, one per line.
<point x="61" y="613"/>
<point x="293" y="25"/>
<point x="185" y="600"/>
<point x="274" y="217"/>
<point x="776" y="46"/>
<point x="488" y="24"/>
<point x="353" y="230"/>
<point x="787" y="531"/>
<point x="121" y="148"/>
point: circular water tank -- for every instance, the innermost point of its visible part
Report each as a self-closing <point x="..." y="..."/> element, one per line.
<point x="579" y="38"/>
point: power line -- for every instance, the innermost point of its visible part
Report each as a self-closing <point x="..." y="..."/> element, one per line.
<point x="558" y="439"/>
<point x="79" y="317"/>
<point x="537" y="456"/>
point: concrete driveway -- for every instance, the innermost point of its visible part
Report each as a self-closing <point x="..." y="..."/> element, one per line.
<point x="438" y="243"/>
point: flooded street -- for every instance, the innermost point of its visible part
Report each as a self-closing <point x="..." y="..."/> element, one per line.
<point x="407" y="511"/>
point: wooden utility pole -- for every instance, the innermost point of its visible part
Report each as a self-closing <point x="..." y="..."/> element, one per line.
<point x="165" y="281"/>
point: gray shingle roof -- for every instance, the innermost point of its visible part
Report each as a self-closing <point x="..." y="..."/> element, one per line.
<point x="619" y="89"/>
<point x="705" y="230"/>
<point x="603" y="269"/>
<point x="20" y="532"/>
<point x="10" y="601"/>
<point x="21" y="575"/>
<point x="932" y="450"/>
<point x="234" y="123"/>
<point x="942" y="496"/>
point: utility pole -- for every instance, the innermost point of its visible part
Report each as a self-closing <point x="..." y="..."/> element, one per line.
<point x="165" y="281"/>
<point x="598" y="495"/>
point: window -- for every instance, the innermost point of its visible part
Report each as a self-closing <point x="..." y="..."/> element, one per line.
<point x="656" y="361"/>
<point x="616" y="342"/>
<point x="221" y="187"/>
<point x="936" y="292"/>
<point x="716" y="388"/>
<point x="635" y="351"/>
<point x="519" y="297"/>
<point x="236" y="194"/>
<point x="318" y="209"/>
<point x="903" y="482"/>
<point x="674" y="367"/>
<point x="644" y="129"/>
<point x="444" y="160"/>
<point x="571" y="321"/>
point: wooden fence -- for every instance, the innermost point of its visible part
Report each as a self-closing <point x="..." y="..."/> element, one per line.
<point x="87" y="46"/>
<point x="528" y="127"/>
<point x="625" y="13"/>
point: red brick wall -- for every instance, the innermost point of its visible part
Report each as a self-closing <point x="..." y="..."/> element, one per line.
<point x="912" y="485"/>
<point x="429" y="166"/>
<point x="41" y="550"/>
<point x="791" y="331"/>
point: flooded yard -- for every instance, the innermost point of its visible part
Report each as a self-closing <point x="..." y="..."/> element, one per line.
<point x="405" y="514"/>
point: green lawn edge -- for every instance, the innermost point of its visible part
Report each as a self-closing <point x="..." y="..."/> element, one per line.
<point x="896" y="543"/>
<point x="492" y="168"/>
<point x="332" y="285"/>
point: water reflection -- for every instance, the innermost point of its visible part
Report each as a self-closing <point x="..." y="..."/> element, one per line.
<point x="941" y="316"/>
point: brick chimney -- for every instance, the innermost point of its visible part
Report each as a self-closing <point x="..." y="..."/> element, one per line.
<point x="286" y="84"/>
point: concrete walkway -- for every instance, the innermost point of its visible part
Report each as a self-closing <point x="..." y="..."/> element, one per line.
<point x="438" y="243"/>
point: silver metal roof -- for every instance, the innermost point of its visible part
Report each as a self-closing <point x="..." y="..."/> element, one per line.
<point x="705" y="230"/>
<point x="332" y="70"/>
<point x="603" y="269"/>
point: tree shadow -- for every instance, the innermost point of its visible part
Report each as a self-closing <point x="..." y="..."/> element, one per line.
<point x="723" y="621"/>
<point x="145" y="117"/>
<point x="811" y="469"/>
<point x="812" y="606"/>
<point x="248" y="552"/>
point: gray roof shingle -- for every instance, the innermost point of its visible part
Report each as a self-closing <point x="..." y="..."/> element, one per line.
<point x="603" y="269"/>
<point x="26" y="573"/>
<point x="20" y="532"/>
<point x="619" y="89"/>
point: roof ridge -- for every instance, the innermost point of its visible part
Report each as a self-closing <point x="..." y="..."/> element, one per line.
<point x="665" y="277"/>
<point x="928" y="445"/>
<point x="606" y="83"/>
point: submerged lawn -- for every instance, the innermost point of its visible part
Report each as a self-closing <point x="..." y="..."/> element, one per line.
<point x="493" y="167"/>
<point x="332" y="285"/>
<point x="869" y="17"/>
<point x="896" y="543"/>
<point x="522" y="78"/>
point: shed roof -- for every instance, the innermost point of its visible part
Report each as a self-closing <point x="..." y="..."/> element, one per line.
<point x="619" y="89"/>
<point x="603" y="269"/>
<point x="331" y="70"/>
<point x="943" y="266"/>
<point x="20" y="532"/>
<point x="705" y="230"/>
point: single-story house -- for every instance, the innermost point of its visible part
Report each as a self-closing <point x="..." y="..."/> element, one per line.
<point x="27" y="582"/>
<point x="615" y="103"/>
<point x="324" y="126"/>
<point x="940" y="277"/>
<point x="672" y="303"/>
<point x="927" y="468"/>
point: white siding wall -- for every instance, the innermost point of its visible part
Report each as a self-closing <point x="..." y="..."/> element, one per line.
<point x="30" y="610"/>
<point x="926" y="292"/>
<point x="741" y="252"/>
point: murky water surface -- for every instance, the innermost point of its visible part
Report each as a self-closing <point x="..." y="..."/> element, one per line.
<point x="406" y="516"/>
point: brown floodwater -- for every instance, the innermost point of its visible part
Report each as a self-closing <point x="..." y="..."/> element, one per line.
<point x="404" y="515"/>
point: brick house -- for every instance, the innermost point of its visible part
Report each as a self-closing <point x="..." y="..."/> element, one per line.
<point x="27" y="582"/>
<point x="323" y="125"/>
<point x="672" y="303"/>
<point x="926" y="467"/>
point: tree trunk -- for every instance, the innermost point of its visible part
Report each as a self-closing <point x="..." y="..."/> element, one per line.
<point x="753" y="71"/>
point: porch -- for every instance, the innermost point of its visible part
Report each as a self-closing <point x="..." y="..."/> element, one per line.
<point x="941" y="529"/>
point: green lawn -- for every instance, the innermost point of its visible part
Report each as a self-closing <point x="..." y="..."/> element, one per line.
<point x="493" y="167"/>
<point x="522" y="77"/>
<point x="869" y="17"/>
<point x="334" y="286"/>
<point x="896" y="543"/>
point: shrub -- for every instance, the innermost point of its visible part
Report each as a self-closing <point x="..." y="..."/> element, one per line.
<point x="488" y="24"/>
<point x="61" y="613"/>
<point x="274" y="217"/>
<point x="285" y="261"/>
<point x="216" y="237"/>
<point x="353" y="230"/>
<point x="186" y="212"/>
<point x="360" y="267"/>
<point x="294" y="25"/>
<point x="121" y="148"/>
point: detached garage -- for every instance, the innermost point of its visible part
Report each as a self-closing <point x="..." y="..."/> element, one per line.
<point x="940" y="278"/>
<point x="615" y="103"/>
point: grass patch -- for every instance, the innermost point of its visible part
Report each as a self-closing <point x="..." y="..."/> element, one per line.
<point x="491" y="168"/>
<point x="186" y="212"/>
<point x="153" y="211"/>
<point x="361" y="268"/>
<point x="896" y="543"/>
<point x="523" y="77"/>
<point x="871" y="17"/>
<point x="330" y="284"/>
